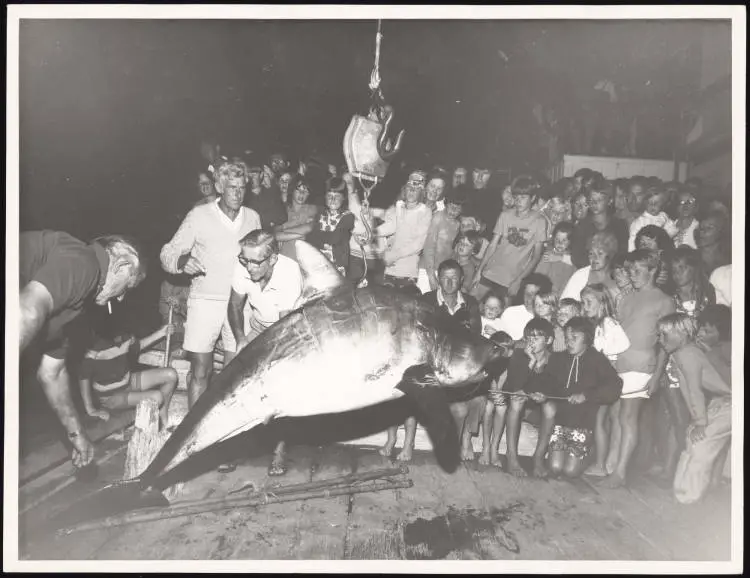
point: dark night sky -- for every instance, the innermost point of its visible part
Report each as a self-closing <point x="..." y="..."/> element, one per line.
<point x="112" y="112"/>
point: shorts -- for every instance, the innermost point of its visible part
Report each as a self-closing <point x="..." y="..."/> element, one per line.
<point x="133" y="384"/>
<point x="497" y="397"/>
<point x="206" y="322"/>
<point x="634" y="385"/>
<point x="576" y="442"/>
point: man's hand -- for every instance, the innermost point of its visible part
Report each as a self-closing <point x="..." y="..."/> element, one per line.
<point x="537" y="397"/>
<point x="194" y="267"/>
<point x="475" y="281"/>
<point x="302" y="168"/>
<point x="101" y="414"/>
<point x="267" y="177"/>
<point x="349" y="180"/>
<point x="170" y="329"/>
<point x="697" y="433"/>
<point x="577" y="398"/>
<point x="83" y="450"/>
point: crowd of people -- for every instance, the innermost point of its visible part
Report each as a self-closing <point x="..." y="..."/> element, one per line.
<point x="612" y="299"/>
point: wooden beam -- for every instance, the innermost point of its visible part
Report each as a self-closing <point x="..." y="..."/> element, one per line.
<point x="56" y="453"/>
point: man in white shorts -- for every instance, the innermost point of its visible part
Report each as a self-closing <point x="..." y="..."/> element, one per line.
<point x="271" y="284"/>
<point x="205" y="247"/>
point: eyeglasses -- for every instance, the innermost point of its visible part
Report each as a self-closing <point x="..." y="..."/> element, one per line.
<point x="687" y="202"/>
<point x="245" y="262"/>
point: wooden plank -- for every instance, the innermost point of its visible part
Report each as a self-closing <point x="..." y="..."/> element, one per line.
<point x="55" y="453"/>
<point x="373" y="528"/>
<point x="654" y="512"/>
<point x="321" y="527"/>
<point x="37" y="540"/>
<point x="270" y="532"/>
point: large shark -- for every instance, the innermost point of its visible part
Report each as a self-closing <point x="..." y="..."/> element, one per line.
<point x="342" y="349"/>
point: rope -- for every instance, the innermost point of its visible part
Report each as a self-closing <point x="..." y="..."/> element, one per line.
<point x="375" y="75"/>
<point x="365" y="215"/>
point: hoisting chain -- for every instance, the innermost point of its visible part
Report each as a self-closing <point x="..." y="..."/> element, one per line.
<point x="365" y="216"/>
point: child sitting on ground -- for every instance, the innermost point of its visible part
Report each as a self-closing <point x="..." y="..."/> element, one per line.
<point x="591" y="382"/>
<point x="556" y="263"/>
<point x="710" y="426"/>
<point x="108" y="369"/>
<point x="491" y="308"/>
<point x="611" y="340"/>
<point x="533" y="373"/>
<point x="493" y="422"/>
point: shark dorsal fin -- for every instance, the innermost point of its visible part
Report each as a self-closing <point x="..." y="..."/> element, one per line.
<point x="320" y="276"/>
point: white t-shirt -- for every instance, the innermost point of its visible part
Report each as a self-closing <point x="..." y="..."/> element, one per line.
<point x="281" y="294"/>
<point x="513" y="321"/>
<point x="576" y="283"/>
<point x="721" y="279"/>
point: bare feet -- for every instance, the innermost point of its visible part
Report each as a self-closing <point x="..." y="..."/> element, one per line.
<point x="467" y="453"/>
<point x="515" y="469"/>
<point x="278" y="466"/>
<point x="597" y="470"/>
<point x="609" y="468"/>
<point x="484" y="458"/>
<point x="495" y="460"/>
<point x="540" y="470"/>
<point x="387" y="450"/>
<point x="404" y="455"/>
<point x="612" y="481"/>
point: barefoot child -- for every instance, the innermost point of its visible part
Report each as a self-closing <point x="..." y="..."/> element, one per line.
<point x="591" y="383"/>
<point x="641" y="366"/>
<point x="611" y="340"/>
<point x="710" y="426"/>
<point x="533" y="373"/>
<point x="493" y="422"/>
<point x="106" y="368"/>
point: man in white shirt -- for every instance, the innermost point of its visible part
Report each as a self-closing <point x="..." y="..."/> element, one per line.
<point x="270" y="285"/>
<point x="268" y="282"/>
<point x="205" y="247"/>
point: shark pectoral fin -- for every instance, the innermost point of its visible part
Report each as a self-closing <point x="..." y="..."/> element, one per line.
<point x="433" y="412"/>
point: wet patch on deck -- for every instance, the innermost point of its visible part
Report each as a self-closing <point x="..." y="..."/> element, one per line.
<point x="462" y="534"/>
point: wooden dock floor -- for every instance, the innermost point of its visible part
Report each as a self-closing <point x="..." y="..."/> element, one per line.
<point x="477" y="513"/>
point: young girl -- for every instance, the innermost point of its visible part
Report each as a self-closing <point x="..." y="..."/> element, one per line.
<point x="491" y="308"/>
<point x="611" y="340"/>
<point x="107" y="368"/>
<point x="333" y="229"/>
<point x="493" y="421"/>
<point x="654" y="214"/>
<point x="653" y="238"/>
<point x="545" y="306"/>
<point x="465" y="247"/>
<point x="622" y="280"/>
<point x="591" y="382"/>
<point x="471" y="223"/>
<point x="556" y="263"/>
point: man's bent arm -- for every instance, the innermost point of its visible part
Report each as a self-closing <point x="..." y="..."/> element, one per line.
<point x="235" y="314"/>
<point x="36" y="306"/>
<point x="55" y="382"/>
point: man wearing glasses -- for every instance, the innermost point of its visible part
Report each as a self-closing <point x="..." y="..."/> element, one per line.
<point x="205" y="247"/>
<point x="271" y="284"/>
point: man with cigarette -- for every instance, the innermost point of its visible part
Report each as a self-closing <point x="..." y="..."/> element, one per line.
<point x="58" y="274"/>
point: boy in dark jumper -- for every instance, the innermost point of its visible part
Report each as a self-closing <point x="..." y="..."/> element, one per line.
<point x="591" y="382"/>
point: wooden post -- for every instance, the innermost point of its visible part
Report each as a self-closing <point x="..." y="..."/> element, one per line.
<point x="147" y="440"/>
